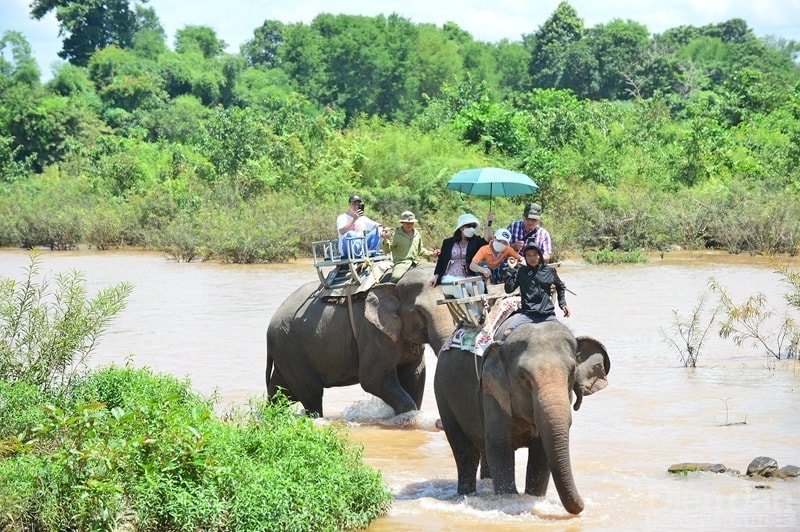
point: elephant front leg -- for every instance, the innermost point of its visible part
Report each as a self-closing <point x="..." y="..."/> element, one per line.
<point x="387" y="388"/>
<point x="537" y="476"/>
<point x="412" y="379"/>
<point x="465" y="452"/>
<point x="499" y="447"/>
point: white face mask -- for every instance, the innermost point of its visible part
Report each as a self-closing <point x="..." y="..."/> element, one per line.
<point x="469" y="232"/>
<point x="498" y="246"/>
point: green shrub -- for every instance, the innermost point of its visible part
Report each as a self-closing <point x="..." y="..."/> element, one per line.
<point x="688" y="336"/>
<point x="16" y="414"/>
<point x="251" y="232"/>
<point x="126" y="448"/>
<point x="749" y="322"/>
<point x="106" y="226"/>
<point x="130" y="447"/>
<point x="45" y="338"/>
<point x="606" y="256"/>
<point x="179" y="238"/>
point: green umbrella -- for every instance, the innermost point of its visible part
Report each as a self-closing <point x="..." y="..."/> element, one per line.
<point x="491" y="182"/>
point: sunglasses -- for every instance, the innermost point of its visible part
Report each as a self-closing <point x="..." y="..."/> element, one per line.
<point x="471" y="225"/>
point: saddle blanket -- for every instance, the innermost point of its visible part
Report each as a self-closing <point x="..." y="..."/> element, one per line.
<point x="477" y="340"/>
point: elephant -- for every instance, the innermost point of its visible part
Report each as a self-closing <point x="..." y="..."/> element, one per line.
<point x="312" y="344"/>
<point x="518" y="394"/>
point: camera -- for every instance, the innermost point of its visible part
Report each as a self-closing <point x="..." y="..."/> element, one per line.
<point x="361" y="208"/>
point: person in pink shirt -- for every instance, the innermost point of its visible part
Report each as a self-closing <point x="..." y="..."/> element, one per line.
<point x="489" y="257"/>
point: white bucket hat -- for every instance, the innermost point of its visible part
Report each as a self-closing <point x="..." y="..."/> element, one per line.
<point x="466" y="219"/>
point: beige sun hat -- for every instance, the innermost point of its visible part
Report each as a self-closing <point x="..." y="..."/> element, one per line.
<point x="408" y="216"/>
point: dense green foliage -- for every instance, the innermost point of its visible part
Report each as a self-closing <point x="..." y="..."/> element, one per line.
<point x="638" y="142"/>
<point x="121" y="447"/>
<point x="128" y="447"/>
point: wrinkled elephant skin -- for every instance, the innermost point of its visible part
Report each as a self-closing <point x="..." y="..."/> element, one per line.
<point x="519" y="395"/>
<point x="311" y="344"/>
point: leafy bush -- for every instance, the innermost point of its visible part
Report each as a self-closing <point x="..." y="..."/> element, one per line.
<point x="606" y="256"/>
<point x="106" y="226"/>
<point x="126" y="448"/>
<point x="250" y="232"/>
<point x="45" y="338"/>
<point x="137" y="448"/>
<point x="749" y="322"/>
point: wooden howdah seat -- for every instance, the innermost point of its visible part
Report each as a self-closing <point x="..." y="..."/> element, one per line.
<point x="470" y="311"/>
<point x="337" y="271"/>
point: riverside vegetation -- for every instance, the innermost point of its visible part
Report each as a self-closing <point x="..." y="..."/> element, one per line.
<point x="751" y="322"/>
<point x="121" y="448"/>
<point x="638" y="142"/>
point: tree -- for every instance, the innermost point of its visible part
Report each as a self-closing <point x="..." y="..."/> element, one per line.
<point x="22" y="66"/>
<point x="89" y="25"/>
<point x="619" y="48"/>
<point x="150" y="40"/>
<point x="436" y="61"/>
<point x="551" y="44"/>
<point x="512" y="60"/>
<point x="46" y="127"/>
<point x="201" y="39"/>
<point x="303" y="58"/>
<point x="356" y="59"/>
<point x="581" y="71"/>
<point x="262" y="49"/>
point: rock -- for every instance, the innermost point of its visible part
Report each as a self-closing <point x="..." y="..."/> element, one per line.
<point x="790" y="471"/>
<point x="690" y="467"/>
<point x="762" y="466"/>
<point x="717" y="468"/>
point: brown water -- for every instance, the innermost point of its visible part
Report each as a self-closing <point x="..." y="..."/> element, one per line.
<point x="207" y="322"/>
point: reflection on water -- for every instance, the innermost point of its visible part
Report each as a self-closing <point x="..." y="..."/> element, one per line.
<point x="207" y="322"/>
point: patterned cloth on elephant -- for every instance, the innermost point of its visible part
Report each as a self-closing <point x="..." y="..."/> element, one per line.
<point x="477" y="340"/>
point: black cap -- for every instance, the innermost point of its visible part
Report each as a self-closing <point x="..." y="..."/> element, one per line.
<point x="531" y="244"/>
<point x="354" y="198"/>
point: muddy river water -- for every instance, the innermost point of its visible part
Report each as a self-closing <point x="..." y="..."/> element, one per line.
<point x="206" y="321"/>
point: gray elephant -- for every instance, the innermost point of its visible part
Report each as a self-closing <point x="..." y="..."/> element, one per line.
<point x="313" y="344"/>
<point x="518" y="395"/>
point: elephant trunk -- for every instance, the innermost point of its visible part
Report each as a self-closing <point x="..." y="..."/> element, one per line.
<point x="553" y="421"/>
<point x="439" y="332"/>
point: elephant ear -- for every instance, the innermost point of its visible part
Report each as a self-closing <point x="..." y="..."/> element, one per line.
<point x="494" y="378"/>
<point x="382" y="309"/>
<point x="593" y="366"/>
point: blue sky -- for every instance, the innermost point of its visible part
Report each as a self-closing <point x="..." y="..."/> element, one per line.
<point x="487" y="20"/>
